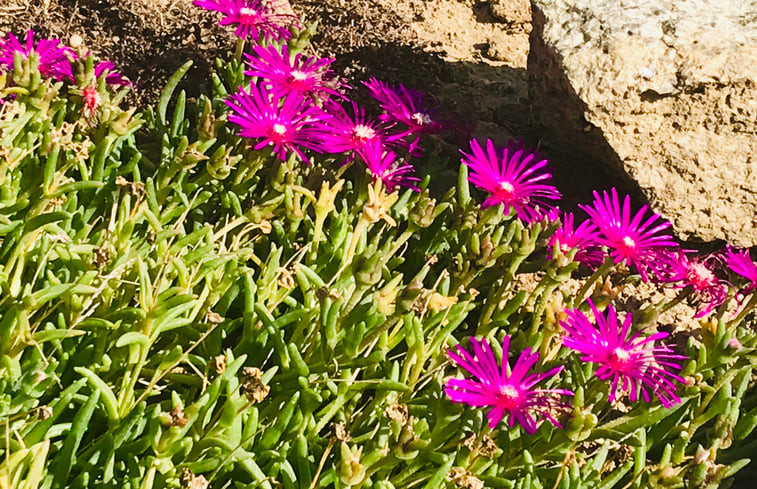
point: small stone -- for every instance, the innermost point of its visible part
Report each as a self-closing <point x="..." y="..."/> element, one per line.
<point x="511" y="11"/>
<point x="75" y="41"/>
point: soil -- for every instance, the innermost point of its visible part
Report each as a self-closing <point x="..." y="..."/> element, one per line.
<point x="471" y="62"/>
<point x="469" y="56"/>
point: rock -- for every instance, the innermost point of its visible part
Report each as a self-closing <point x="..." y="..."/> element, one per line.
<point x="511" y="11"/>
<point x="664" y="91"/>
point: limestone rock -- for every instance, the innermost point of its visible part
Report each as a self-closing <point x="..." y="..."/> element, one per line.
<point x="510" y="11"/>
<point x="664" y="91"/>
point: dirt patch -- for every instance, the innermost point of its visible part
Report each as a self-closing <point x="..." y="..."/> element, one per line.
<point x="469" y="56"/>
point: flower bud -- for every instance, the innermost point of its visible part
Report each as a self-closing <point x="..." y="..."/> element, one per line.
<point x="208" y="127"/>
<point x="351" y="472"/>
<point x="368" y="269"/>
<point x="422" y="215"/>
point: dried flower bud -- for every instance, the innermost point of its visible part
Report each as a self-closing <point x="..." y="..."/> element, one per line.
<point x="462" y="478"/>
<point x="286" y="279"/>
<point x="178" y="418"/>
<point x="219" y="364"/>
<point x="44" y="412"/>
<point x="213" y="318"/>
<point x="341" y="432"/>
<point x="252" y="384"/>
<point x="397" y="412"/>
<point x="191" y="481"/>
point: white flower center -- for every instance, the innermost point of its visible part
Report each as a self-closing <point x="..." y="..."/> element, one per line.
<point x="509" y="392"/>
<point x="362" y="131"/>
<point x="421" y="118"/>
<point x="279" y="129"/>
<point x="700" y="276"/>
<point x="629" y="242"/>
<point x="621" y="354"/>
<point x="245" y="11"/>
<point x="299" y="75"/>
<point x="507" y="187"/>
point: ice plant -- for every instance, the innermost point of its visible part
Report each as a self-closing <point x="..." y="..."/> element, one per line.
<point x="507" y="391"/>
<point x="682" y="269"/>
<point x="404" y="106"/>
<point x="92" y="100"/>
<point x="383" y="165"/>
<point x="350" y="133"/>
<point x="633" y="362"/>
<point x="284" y="74"/>
<point x="741" y="263"/>
<point x="516" y="179"/>
<point x="583" y="239"/>
<point x="631" y="239"/>
<point x="112" y="77"/>
<point x="287" y="124"/>
<point x="254" y="18"/>
<point x="54" y="57"/>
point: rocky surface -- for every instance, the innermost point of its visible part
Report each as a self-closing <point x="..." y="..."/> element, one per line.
<point x="664" y="91"/>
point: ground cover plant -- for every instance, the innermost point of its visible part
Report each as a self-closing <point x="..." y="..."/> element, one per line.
<point x="256" y="288"/>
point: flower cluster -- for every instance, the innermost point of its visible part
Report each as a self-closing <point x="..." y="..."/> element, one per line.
<point x="295" y="104"/>
<point x="56" y="62"/>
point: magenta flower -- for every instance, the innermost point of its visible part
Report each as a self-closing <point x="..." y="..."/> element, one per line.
<point x="634" y="364"/>
<point x="284" y="74"/>
<point x="630" y="240"/>
<point x="404" y="106"/>
<point x="584" y="239"/>
<point x="516" y="180"/>
<point x="350" y="133"/>
<point x="112" y="77"/>
<point x="53" y="56"/>
<point x="506" y="391"/>
<point x="382" y="164"/>
<point x="679" y="269"/>
<point x="254" y="18"/>
<point x="741" y="263"/>
<point x="287" y="124"/>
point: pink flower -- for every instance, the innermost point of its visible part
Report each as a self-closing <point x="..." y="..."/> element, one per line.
<point x="350" y="133"/>
<point x="634" y="364"/>
<point x="287" y="124"/>
<point x="630" y="240"/>
<point x="284" y="74"/>
<point x="515" y="180"/>
<point x="382" y="164"/>
<point x="681" y="270"/>
<point x="584" y="239"/>
<point x="506" y="391"/>
<point x="54" y="57"/>
<point x="741" y="263"/>
<point x="404" y="106"/>
<point x="112" y="77"/>
<point x="254" y="18"/>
